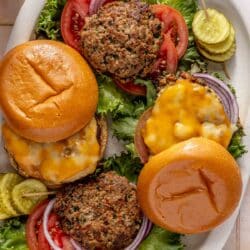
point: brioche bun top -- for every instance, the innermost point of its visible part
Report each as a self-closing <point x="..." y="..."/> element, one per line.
<point x="47" y="90"/>
<point x="191" y="187"/>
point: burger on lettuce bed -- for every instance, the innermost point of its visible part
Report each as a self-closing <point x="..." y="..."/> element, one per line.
<point x="133" y="75"/>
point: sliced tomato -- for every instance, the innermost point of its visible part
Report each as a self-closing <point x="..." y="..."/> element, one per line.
<point x="132" y="88"/>
<point x="42" y="241"/>
<point x="175" y="24"/>
<point x="57" y="235"/>
<point x="67" y="245"/>
<point x="31" y="225"/>
<point x="140" y="146"/>
<point x="55" y="230"/>
<point x="168" y="58"/>
<point x="72" y="21"/>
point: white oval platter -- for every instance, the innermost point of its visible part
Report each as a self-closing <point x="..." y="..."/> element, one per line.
<point x="239" y="67"/>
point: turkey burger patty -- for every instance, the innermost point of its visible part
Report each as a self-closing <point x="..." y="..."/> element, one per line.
<point x="102" y="213"/>
<point x="122" y="39"/>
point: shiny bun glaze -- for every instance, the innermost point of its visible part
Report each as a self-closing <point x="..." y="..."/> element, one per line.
<point x="191" y="187"/>
<point x="47" y="91"/>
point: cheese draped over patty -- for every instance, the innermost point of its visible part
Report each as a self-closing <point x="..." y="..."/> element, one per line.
<point x="184" y="110"/>
<point x="55" y="162"/>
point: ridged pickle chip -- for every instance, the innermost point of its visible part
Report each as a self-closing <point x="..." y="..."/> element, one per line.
<point x="218" y="57"/>
<point x="221" y="47"/>
<point x="3" y="215"/>
<point x="25" y="204"/>
<point x="7" y="183"/>
<point x="211" y="30"/>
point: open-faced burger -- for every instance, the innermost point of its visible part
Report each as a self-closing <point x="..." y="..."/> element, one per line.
<point x="122" y="39"/>
<point x="48" y="97"/>
<point x="99" y="213"/>
<point x="187" y="108"/>
<point x="129" y="40"/>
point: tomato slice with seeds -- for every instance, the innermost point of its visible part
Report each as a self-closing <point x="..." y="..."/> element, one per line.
<point x="32" y="225"/>
<point x="132" y="88"/>
<point x="35" y="234"/>
<point x="42" y="241"/>
<point x="72" y="21"/>
<point x="167" y="58"/>
<point x="174" y="24"/>
<point x="56" y="233"/>
<point x="169" y="54"/>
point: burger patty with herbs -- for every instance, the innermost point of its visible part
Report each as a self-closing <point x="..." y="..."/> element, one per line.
<point x="102" y="213"/>
<point x="122" y="39"/>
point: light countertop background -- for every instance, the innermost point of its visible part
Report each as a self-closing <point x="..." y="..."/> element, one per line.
<point x="240" y="236"/>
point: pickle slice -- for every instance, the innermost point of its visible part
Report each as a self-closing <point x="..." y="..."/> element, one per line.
<point x="3" y="214"/>
<point x="211" y="30"/>
<point x="25" y="204"/>
<point x="218" y="57"/>
<point x="7" y="183"/>
<point x="222" y="47"/>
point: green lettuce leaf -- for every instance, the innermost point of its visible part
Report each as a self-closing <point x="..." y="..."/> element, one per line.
<point x="161" y="239"/>
<point x="117" y="103"/>
<point x="124" y="128"/>
<point x="112" y="100"/>
<point x="12" y="235"/>
<point x="49" y="21"/>
<point x="124" y="109"/>
<point x="151" y="91"/>
<point x="192" y="61"/>
<point x="236" y="146"/>
<point x="130" y="147"/>
<point x="125" y="165"/>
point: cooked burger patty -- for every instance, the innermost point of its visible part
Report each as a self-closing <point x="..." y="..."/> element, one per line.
<point x="100" y="214"/>
<point x="122" y="39"/>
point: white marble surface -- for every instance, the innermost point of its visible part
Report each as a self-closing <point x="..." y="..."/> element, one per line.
<point x="240" y="236"/>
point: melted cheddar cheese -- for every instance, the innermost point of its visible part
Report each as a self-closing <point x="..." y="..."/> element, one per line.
<point x="55" y="162"/>
<point x="186" y="110"/>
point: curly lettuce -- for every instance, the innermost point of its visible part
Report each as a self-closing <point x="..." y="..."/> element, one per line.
<point x="236" y="146"/>
<point x="124" y="109"/>
<point x="125" y="165"/>
<point x="49" y="21"/>
<point x="12" y="235"/>
<point x="162" y="239"/>
<point x="111" y="100"/>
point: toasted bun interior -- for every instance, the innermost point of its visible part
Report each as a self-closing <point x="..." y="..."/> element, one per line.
<point x="191" y="187"/>
<point x="47" y="91"/>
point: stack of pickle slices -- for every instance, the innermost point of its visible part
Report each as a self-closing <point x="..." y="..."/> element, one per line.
<point x="12" y="200"/>
<point x="214" y="34"/>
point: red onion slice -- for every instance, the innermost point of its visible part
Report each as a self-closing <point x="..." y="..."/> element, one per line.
<point x="143" y="232"/>
<point x="45" y="225"/>
<point x="225" y="95"/>
<point x="95" y="5"/>
<point x="75" y="244"/>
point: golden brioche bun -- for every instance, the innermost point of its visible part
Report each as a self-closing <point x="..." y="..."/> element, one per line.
<point x="47" y="90"/>
<point x="191" y="187"/>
